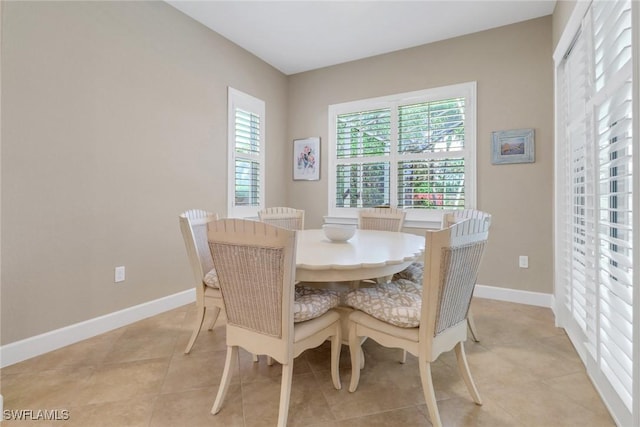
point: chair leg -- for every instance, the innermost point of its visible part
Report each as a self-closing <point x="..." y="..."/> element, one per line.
<point x="383" y="280"/>
<point x="403" y="358"/>
<point x="463" y="367"/>
<point x="214" y="318"/>
<point x="472" y="327"/>
<point x="429" y="393"/>
<point x="196" y="329"/>
<point x="356" y="357"/>
<point x="269" y="361"/>
<point x="285" y="393"/>
<point x="336" y="347"/>
<point x="255" y="358"/>
<point x="227" y="373"/>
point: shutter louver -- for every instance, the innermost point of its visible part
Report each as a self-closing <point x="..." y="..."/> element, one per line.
<point x="247" y="158"/>
<point x="364" y="137"/>
<point x="362" y="185"/>
<point x="581" y="280"/>
<point x="364" y="134"/>
<point x="431" y="126"/>
<point x="613" y="115"/>
<point x="431" y="184"/>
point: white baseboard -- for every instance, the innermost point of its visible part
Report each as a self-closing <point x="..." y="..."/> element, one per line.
<point x="513" y="295"/>
<point x="34" y="346"/>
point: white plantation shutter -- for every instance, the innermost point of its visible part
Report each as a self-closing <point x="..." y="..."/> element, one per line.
<point x="246" y="154"/>
<point x="434" y="131"/>
<point x="434" y="126"/>
<point x="578" y="172"/>
<point x="613" y="119"/>
<point x="247" y="158"/>
<point x="594" y="221"/>
<point x="363" y="142"/>
<point x="413" y="151"/>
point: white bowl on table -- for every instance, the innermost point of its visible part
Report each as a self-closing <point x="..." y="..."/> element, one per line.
<point x="339" y="232"/>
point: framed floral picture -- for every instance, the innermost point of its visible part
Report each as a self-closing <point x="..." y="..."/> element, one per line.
<point x="513" y="146"/>
<point x="306" y="159"/>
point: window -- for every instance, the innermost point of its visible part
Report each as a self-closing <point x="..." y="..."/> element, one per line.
<point x="412" y="150"/>
<point x="246" y="118"/>
<point x="594" y="198"/>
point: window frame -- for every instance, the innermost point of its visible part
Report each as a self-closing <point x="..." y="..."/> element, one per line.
<point x="415" y="217"/>
<point x="240" y="100"/>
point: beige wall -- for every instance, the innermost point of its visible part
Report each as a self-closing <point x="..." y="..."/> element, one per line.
<point x="513" y="69"/>
<point x="114" y="119"/>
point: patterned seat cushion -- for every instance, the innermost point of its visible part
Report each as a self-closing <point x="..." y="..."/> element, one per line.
<point x="211" y="279"/>
<point x="413" y="273"/>
<point x="403" y="285"/>
<point x="388" y="304"/>
<point x="310" y="303"/>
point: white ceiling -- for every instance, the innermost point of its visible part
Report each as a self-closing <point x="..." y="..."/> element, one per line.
<point x="297" y="36"/>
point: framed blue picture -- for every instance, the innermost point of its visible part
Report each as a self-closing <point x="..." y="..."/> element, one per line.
<point x="512" y="146"/>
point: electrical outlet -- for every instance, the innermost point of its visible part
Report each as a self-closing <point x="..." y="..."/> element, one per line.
<point x="119" y="276"/>
<point x="524" y="261"/>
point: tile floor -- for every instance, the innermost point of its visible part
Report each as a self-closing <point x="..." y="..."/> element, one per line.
<point x="526" y="370"/>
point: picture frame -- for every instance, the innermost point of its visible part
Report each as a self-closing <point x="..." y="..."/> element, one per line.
<point x="306" y="159"/>
<point x="512" y="146"/>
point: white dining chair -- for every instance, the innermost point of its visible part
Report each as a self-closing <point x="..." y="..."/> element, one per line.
<point x="413" y="273"/>
<point x="427" y="324"/>
<point x="266" y="313"/>
<point x="385" y="219"/>
<point x="193" y="224"/>
<point x="285" y="217"/>
<point x="451" y="218"/>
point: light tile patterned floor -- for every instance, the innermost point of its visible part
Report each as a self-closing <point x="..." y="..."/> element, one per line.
<point x="526" y="370"/>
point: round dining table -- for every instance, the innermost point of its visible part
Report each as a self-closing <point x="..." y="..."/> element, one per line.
<point x="368" y="254"/>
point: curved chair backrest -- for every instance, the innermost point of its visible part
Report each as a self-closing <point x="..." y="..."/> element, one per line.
<point x="450" y="218"/>
<point x="193" y="224"/>
<point x="290" y="218"/>
<point x="385" y="219"/>
<point x="255" y="263"/>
